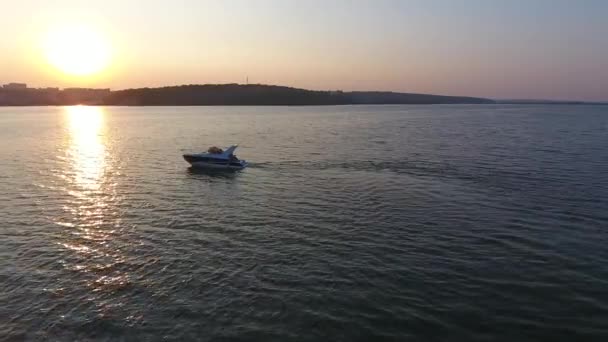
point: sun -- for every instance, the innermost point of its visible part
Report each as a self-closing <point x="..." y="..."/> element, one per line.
<point x="76" y="50"/>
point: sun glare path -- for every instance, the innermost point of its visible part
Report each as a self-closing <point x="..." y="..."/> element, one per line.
<point x="87" y="150"/>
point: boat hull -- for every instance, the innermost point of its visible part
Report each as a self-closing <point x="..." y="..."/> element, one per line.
<point x="196" y="162"/>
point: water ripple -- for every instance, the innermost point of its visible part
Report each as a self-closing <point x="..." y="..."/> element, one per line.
<point x="352" y="223"/>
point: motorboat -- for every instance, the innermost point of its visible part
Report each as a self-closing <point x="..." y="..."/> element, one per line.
<point x="217" y="159"/>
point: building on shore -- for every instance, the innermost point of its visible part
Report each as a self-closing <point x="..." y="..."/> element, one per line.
<point x="18" y="94"/>
<point x="15" y="86"/>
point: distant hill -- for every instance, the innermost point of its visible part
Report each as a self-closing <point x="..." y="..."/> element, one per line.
<point x="379" y="97"/>
<point x="221" y="94"/>
<point x="257" y="94"/>
<point x="213" y="94"/>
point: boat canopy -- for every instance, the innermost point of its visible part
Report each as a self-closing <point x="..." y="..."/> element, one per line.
<point x="230" y="150"/>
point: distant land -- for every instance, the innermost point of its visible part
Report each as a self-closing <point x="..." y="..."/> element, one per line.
<point x="18" y="94"/>
<point x="559" y="102"/>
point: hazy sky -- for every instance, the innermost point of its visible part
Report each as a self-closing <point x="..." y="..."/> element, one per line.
<point x="554" y="49"/>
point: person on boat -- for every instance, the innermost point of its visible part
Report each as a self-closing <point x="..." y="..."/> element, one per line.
<point x="215" y="150"/>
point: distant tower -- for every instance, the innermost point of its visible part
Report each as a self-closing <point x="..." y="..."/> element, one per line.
<point x="247" y="80"/>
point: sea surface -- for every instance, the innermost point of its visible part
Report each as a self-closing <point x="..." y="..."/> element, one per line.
<point x="353" y="223"/>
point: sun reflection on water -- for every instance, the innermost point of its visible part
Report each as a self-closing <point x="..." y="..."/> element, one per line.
<point x="91" y="216"/>
<point x="87" y="150"/>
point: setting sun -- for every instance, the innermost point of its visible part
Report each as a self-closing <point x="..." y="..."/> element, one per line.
<point x="77" y="50"/>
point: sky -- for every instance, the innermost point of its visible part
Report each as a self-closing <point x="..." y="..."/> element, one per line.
<point x="541" y="49"/>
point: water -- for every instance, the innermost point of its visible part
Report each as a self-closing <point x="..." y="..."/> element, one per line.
<point x="352" y="224"/>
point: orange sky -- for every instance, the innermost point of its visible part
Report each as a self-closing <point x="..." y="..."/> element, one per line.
<point x="516" y="49"/>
